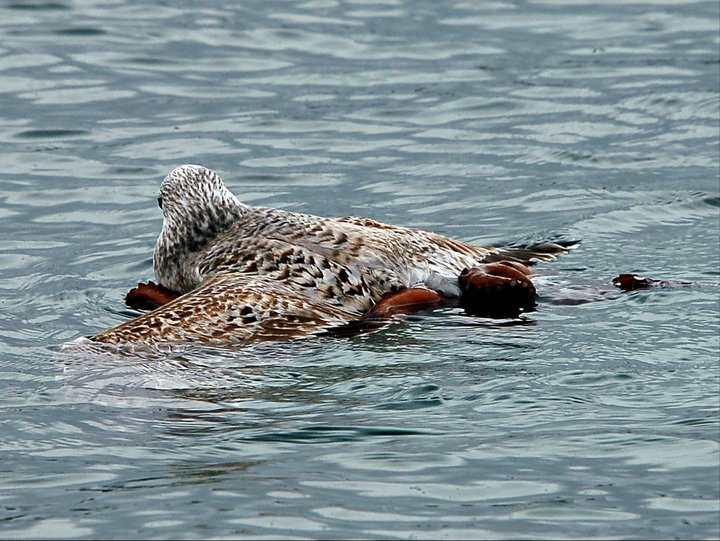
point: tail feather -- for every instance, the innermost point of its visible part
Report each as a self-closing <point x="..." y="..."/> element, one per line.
<point x="545" y="251"/>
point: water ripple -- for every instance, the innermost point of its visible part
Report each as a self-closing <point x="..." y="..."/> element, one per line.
<point x="492" y="122"/>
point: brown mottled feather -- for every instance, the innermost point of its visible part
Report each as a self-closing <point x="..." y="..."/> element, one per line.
<point x="231" y="309"/>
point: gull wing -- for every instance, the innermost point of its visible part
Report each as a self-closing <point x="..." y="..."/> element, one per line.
<point x="232" y="309"/>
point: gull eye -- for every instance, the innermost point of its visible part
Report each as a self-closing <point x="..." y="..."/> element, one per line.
<point x="160" y="201"/>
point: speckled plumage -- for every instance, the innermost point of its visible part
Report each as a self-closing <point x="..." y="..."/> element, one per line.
<point x="231" y="308"/>
<point x="291" y="273"/>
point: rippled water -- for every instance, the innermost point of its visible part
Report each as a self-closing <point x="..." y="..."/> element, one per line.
<point x="492" y="122"/>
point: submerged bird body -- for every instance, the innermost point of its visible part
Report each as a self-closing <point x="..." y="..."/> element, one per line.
<point x="248" y="273"/>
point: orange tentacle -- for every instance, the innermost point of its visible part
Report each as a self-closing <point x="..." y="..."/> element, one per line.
<point x="149" y="296"/>
<point x="501" y="289"/>
<point x="405" y="301"/>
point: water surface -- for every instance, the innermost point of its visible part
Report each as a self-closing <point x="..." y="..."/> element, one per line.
<point x="491" y="122"/>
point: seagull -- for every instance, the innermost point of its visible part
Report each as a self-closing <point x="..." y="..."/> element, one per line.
<point x="229" y="273"/>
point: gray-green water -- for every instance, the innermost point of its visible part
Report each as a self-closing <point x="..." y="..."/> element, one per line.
<point x="492" y="122"/>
